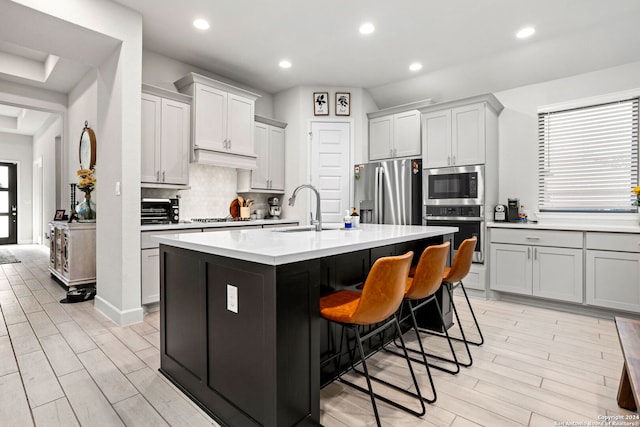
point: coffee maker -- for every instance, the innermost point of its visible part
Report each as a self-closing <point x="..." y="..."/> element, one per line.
<point x="513" y="210"/>
<point x="274" y="207"/>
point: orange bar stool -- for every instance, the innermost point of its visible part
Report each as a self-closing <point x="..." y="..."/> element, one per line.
<point x="377" y="304"/>
<point x="421" y="290"/>
<point x="452" y="278"/>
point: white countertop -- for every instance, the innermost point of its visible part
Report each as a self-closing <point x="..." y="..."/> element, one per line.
<point x="188" y="225"/>
<point x="578" y="226"/>
<point x="267" y="246"/>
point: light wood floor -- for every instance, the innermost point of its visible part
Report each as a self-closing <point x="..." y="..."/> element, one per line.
<point x="66" y="364"/>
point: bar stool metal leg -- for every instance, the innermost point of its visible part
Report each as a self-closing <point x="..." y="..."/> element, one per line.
<point x="369" y="390"/>
<point x="473" y="315"/>
<point x="422" y="352"/>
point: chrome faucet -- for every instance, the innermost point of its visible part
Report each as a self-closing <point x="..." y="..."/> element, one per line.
<point x="292" y="201"/>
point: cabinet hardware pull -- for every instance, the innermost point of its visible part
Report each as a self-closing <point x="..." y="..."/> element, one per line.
<point x="454" y="159"/>
<point x="162" y="176"/>
<point x="449" y="160"/>
<point x="528" y="253"/>
<point x="532" y="238"/>
<point x="535" y="253"/>
<point x="158" y="176"/>
<point x="229" y="144"/>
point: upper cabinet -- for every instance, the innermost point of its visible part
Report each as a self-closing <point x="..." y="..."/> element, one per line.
<point x="222" y="122"/>
<point x="459" y="133"/>
<point x="165" y="136"/>
<point x="269" y="144"/>
<point x="394" y="135"/>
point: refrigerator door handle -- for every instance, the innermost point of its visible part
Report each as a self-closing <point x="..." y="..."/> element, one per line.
<point x="381" y="196"/>
<point x="376" y="196"/>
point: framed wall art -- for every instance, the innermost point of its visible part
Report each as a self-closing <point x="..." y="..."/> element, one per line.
<point x="320" y="103"/>
<point x="343" y="103"/>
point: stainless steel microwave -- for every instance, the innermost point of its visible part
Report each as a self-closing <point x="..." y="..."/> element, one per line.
<point x="460" y="185"/>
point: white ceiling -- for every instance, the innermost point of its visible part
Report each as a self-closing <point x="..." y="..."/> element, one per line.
<point x="22" y="121"/>
<point x="467" y="40"/>
<point x="248" y="38"/>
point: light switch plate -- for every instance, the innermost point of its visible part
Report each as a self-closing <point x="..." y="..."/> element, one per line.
<point x="232" y="298"/>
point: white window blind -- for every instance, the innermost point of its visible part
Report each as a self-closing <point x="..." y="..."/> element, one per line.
<point x="588" y="158"/>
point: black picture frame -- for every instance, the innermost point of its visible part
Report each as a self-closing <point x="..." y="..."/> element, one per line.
<point x="320" y="103"/>
<point x="343" y="103"/>
<point x="59" y="216"/>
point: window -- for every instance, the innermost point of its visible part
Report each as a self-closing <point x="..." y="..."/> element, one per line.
<point x="588" y="158"/>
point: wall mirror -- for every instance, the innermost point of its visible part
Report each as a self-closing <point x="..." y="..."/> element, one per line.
<point x="87" y="148"/>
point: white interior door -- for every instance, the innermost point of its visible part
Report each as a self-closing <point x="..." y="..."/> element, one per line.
<point x="331" y="167"/>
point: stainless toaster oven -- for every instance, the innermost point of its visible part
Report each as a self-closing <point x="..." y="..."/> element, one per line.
<point x="159" y="211"/>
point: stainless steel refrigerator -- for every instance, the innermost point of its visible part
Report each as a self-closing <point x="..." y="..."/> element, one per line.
<point x="389" y="192"/>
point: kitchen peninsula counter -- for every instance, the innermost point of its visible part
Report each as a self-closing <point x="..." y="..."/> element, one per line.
<point x="241" y="333"/>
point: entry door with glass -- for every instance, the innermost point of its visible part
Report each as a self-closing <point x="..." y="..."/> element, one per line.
<point x="8" y="204"/>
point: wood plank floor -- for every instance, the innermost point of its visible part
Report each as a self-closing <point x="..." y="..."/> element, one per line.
<point x="68" y="365"/>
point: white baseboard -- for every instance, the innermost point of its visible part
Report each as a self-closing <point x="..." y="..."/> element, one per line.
<point x="122" y="318"/>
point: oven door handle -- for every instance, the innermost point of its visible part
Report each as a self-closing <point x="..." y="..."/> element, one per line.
<point x="454" y="218"/>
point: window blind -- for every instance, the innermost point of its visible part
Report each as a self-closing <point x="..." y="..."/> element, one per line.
<point x="588" y="158"/>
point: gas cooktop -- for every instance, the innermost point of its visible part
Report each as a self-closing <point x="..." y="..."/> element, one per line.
<point x="226" y="219"/>
<point x="211" y="219"/>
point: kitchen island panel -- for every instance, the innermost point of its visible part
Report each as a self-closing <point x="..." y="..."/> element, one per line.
<point x="185" y="313"/>
<point x="259" y="366"/>
<point x="238" y="356"/>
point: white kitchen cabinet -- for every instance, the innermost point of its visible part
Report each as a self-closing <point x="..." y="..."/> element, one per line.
<point x="613" y="271"/>
<point x="394" y="135"/>
<point x="150" y="255"/>
<point x="269" y="173"/>
<point x="150" y="263"/>
<point x="150" y="278"/>
<point x="518" y="266"/>
<point x="72" y="252"/>
<point x="222" y="122"/>
<point x="511" y="268"/>
<point x="455" y="137"/>
<point x="164" y="138"/>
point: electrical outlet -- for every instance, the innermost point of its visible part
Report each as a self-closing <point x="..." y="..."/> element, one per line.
<point x="232" y="298"/>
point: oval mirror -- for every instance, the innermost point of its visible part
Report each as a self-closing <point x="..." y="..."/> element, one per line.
<point x="87" y="148"/>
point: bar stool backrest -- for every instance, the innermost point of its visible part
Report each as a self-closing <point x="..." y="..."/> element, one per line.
<point x="428" y="276"/>
<point x="383" y="289"/>
<point x="462" y="261"/>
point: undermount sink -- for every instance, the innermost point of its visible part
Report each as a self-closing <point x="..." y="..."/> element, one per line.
<point x="293" y="229"/>
<point x="300" y="228"/>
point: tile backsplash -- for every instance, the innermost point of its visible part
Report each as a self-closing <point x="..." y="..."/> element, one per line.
<point x="213" y="188"/>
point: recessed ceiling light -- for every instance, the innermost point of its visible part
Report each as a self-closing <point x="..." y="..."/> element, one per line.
<point x="367" y="28"/>
<point x="285" y="64"/>
<point x="201" y="24"/>
<point x="415" y="66"/>
<point x="525" y="32"/>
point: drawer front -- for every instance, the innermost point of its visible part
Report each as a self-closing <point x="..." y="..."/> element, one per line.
<point x="562" y="239"/>
<point x="146" y="242"/>
<point x="613" y="242"/>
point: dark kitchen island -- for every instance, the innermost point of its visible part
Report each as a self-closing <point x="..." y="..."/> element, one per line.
<point x="241" y="333"/>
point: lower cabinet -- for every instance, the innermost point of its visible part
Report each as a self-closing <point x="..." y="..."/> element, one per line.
<point x="150" y="280"/>
<point x="150" y="256"/>
<point x="542" y="271"/>
<point x="613" y="271"/>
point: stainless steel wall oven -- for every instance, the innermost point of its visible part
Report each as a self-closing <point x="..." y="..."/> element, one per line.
<point x="454" y="197"/>
<point x="468" y="219"/>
